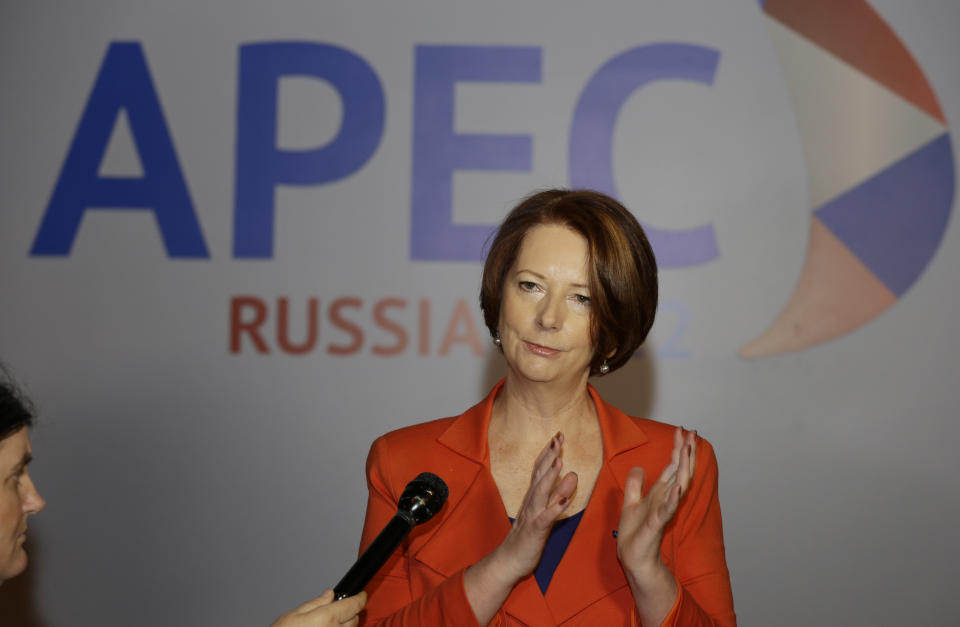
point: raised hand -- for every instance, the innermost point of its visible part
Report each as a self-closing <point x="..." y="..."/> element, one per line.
<point x="489" y="582"/>
<point x="545" y="500"/>
<point x="642" y="521"/>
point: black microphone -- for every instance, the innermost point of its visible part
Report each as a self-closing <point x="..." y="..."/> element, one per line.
<point x="421" y="499"/>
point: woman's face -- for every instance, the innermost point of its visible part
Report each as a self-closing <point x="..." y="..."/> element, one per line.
<point x="545" y="309"/>
<point x="18" y="499"/>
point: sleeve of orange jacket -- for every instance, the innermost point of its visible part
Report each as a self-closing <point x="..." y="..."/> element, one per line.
<point x="390" y="598"/>
<point x="699" y="563"/>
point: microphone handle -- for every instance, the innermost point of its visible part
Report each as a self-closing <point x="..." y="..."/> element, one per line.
<point x="374" y="557"/>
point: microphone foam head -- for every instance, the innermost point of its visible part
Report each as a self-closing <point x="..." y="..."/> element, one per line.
<point x="423" y="497"/>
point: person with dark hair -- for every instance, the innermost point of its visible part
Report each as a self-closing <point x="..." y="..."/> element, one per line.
<point x="18" y="496"/>
<point x="562" y="509"/>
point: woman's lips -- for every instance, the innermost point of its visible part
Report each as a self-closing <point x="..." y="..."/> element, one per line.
<point x="544" y="351"/>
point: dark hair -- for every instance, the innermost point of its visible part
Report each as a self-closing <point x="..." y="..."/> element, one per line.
<point x="16" y="411"/>
<point x="622" y="273"/>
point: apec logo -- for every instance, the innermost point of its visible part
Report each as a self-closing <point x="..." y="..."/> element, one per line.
<point x="879" y="208"/>
<point x="879" y="168"/>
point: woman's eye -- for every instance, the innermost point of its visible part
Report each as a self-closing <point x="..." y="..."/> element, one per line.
<point x="583" y="300"/>
<point x="528" y="286"/>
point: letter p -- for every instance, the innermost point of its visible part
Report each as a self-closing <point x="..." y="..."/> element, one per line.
<point x="261" y="165"/>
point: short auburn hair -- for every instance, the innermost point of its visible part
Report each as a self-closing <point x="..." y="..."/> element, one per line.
<point x="622" y="269"/>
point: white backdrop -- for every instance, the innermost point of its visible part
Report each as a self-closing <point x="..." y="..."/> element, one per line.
<point x="194" y="479"/>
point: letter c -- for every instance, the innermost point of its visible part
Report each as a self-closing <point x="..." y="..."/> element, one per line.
<point x="595" y="119"/>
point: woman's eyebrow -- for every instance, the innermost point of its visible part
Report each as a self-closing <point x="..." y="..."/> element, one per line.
<point x="536" y="274"/>
<point x="541" y="277"/>
<point x="26" y="459"/>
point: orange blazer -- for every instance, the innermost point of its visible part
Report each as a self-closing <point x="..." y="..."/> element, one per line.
<point x="422" y="583"/>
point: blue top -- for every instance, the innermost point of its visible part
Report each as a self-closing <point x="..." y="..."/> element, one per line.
<point x="556" y="546"/>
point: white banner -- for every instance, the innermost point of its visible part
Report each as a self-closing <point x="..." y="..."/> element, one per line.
<point x="239" y="241"/>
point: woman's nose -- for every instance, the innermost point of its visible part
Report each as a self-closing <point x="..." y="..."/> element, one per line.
<point x="33" y="502"/>
<point x="550" y="315"/>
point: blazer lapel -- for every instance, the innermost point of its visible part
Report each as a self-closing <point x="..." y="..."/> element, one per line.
<point x="475" y="522"/>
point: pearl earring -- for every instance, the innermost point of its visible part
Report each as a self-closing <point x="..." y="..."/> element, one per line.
<point x="604" y="367"/>
<point x="496" y="339"/>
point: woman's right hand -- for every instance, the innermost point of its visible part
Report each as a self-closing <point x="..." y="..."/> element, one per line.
<point x="545" y="500"/>
<point x="489" y="581"/>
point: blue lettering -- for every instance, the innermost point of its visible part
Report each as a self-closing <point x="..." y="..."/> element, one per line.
<point x="261" y="166"/>
<point x="438" y="151"/>
<point x="123" y="83"/>
<point x="595" y="118"/>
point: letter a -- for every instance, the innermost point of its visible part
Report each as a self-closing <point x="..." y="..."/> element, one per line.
<point x="123" y="83"/>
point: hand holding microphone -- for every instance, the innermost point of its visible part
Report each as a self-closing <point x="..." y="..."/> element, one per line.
<point x="324" y="611"/>
<point x="421" y="499"/>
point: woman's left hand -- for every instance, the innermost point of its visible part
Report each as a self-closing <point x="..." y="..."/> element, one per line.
<point x="642" y="521"/>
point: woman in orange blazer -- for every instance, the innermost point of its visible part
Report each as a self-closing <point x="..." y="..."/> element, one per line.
<point x="569" y="290"/>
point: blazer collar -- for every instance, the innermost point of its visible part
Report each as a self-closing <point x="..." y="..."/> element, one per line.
<point x="620" y="432"/>
<point x="468" y="433"/>
<point x="475" y="526"/>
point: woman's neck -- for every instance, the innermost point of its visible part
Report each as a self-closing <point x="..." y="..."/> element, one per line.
<point x="527" y="407"/>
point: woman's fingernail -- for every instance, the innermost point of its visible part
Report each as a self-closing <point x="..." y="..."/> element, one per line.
<point x="563" y="500"/>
